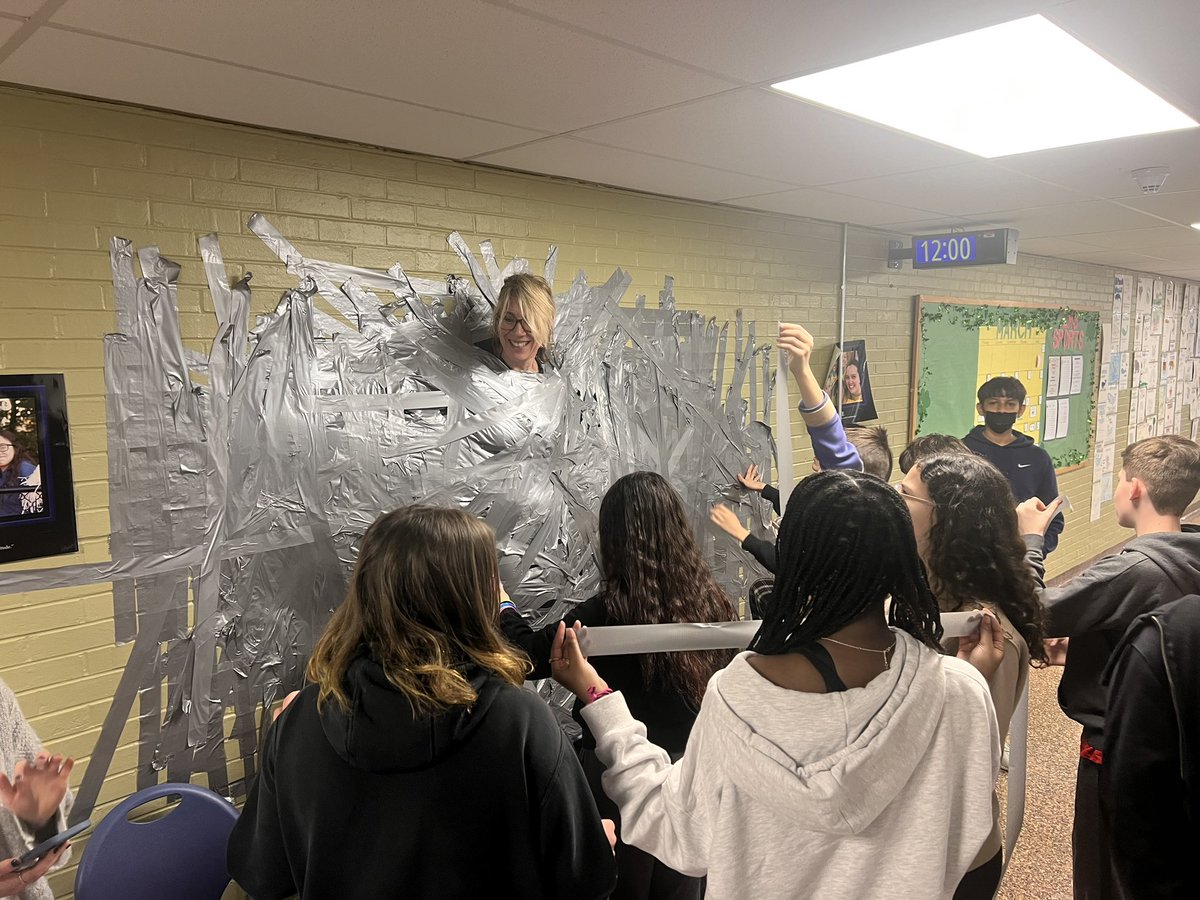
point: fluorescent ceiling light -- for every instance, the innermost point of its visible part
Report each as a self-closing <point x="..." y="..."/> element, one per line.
<point x="1196" y="225"/>
<point x="1012" y="88"/>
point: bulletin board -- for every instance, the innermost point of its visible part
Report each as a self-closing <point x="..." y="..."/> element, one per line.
<point x="959" y="344"/>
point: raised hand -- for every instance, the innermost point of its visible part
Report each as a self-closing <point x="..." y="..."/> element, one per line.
<point x="725" y="519"/>
<point x="37" y="788"/>
<point x="1034" y="516"/>
<point x="798" y="342"/>
<point x="752" y="480"/>
<point x="570" y="667"/>
<point x="985" y="648"/>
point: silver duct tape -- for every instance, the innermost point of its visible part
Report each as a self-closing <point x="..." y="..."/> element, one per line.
<point x="615" y="640"/>
<point x="783" y="431"/>
<point x="241" y="498"/>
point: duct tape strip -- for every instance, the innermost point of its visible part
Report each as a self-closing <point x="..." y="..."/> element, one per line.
<point x="783" y="431"/>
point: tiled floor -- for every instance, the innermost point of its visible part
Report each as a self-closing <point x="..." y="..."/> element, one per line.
<point x="1041" y="865"/>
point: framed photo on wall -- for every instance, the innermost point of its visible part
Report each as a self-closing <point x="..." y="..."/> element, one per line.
<point x="848" y="368"/>
<point x="37" y="491"/>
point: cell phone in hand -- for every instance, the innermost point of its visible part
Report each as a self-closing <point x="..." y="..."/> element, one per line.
<point x="30" y="859"/>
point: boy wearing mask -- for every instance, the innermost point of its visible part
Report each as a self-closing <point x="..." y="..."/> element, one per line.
<point x="1027" y="466"/>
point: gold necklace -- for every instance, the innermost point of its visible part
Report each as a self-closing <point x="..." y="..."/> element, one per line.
<point x="887" y="654"/>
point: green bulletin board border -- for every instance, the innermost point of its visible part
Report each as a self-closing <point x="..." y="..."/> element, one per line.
<point x="1030" y="314"/>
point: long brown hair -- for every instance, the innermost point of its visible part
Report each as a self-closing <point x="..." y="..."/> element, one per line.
<point x="654" y="574"/>
<point x="976" y="554"/>
<point x="423" y="602"/>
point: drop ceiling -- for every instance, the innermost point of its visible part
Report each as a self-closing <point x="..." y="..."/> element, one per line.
<point x="671" y="97"/>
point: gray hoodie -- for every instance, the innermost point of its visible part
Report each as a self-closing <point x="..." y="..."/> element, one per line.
<point x="884" y="790"/>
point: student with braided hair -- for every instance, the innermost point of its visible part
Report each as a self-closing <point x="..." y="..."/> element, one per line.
<point x="843" y="755"/>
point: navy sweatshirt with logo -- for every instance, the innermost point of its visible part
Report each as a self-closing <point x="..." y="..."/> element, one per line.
<point x="1029" y="471"/>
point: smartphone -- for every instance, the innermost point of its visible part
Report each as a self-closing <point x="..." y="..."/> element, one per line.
<point x="30" y="859"/>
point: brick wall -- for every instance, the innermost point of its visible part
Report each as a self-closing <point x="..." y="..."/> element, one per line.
<point x="73" y="173"/>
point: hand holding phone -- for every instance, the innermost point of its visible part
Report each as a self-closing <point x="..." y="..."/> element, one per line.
<point x="12" y="882"/>
<point x="34" y="856"/>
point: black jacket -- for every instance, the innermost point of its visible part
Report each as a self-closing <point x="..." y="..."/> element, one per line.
<point x="1096" y="608"/>
<point x="1150" y="779"/>
<point x="1029" y="470"/>
<point x="378" y="803"/>
<point x="667" y="715"/>
<point x="760" y="548"/>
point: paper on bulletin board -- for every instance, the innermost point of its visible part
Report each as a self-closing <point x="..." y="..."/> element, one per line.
<point x="1052" y="378"/>
<point x="1050" y="426"/>
<point x="1076" y="375"/>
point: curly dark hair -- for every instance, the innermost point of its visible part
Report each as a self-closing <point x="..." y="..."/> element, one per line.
<point x="654" y="574"/>
<point x="845" y="544"/>
<point x="975" y="552"/>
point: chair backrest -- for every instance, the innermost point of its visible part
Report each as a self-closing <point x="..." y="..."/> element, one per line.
<point x="180" y="855"/>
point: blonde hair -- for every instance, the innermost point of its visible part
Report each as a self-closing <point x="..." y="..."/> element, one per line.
<point x="537" y="306"/>
<point x="423" y="601"/>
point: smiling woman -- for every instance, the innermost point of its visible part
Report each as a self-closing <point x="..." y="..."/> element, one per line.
<point x="523" y="323"/>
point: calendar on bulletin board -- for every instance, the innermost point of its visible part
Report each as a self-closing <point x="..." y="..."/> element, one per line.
<point x="959" y="344"/>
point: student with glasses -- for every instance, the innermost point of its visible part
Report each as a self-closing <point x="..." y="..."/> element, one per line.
<point x="968" y="538"/>
<point x="523" y="323"/>
<point x="16" y="466"/>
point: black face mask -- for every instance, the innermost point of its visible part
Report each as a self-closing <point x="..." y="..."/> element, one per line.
<point x="998" y="422"/>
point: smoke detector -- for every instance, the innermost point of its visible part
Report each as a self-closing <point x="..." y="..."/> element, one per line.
<point x="1151" y="178"/>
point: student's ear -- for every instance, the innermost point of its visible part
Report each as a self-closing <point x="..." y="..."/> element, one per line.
<point x="1137" y="490"/>
<point x="979" y="408"/>
<point x="1021" y="410"/>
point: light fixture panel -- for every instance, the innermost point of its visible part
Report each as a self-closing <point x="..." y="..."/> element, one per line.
<point x="1012" y="88"/>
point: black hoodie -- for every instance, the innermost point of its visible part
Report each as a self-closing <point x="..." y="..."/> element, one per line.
<point x="1095" y="608"/>
<point x="1029" y="470"/>
<point x="378" y="803"/>
<point x="1150" y="780"/>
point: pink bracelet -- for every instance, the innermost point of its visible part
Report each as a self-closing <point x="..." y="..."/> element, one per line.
<point x="594" y="694"/>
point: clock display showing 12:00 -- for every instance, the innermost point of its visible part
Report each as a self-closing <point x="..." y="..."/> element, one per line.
<point x="946" y="250"/>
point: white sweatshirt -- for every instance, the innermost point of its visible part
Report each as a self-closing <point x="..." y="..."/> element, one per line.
<point x="880" y="791"/>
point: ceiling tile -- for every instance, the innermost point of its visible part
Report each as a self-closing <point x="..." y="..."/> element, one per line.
<point x="1182" y="207"/>
<point x="467" y="56"/>
<point x="766" y="134"/>
<point x="1168" y="240"/>
<point x="123" y="72"/>
<point x="961" y="190"/>
<point x="818" y="204"/>
<point x="22" y="8"/>
<point x="1102" y="169"/>
<point x="572" y="158"/>
<point x="761" y="40"/>
<point x="8" y="27"/>
<point x="1070" y="219"/>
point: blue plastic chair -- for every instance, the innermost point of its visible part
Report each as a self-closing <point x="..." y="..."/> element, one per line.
<point x="180" y="855"/>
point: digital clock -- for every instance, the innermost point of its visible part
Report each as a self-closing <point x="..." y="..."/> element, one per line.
<point x="965" y="248"/>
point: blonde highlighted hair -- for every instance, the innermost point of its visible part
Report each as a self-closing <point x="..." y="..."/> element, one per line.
<point x="423" y="602"/>
<point x="533" y="294"/>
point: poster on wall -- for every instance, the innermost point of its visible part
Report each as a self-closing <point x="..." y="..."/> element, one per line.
<point x="850" y="368"/>
<point x="37" y="494"/>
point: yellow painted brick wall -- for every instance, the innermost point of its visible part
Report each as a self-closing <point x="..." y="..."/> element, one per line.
<point x="73" y="173"/>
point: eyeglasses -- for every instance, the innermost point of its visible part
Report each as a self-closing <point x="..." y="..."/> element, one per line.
<point x="4" y="447"/>
<point x="509" y="322"/>
<point x="914" y="497"/>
